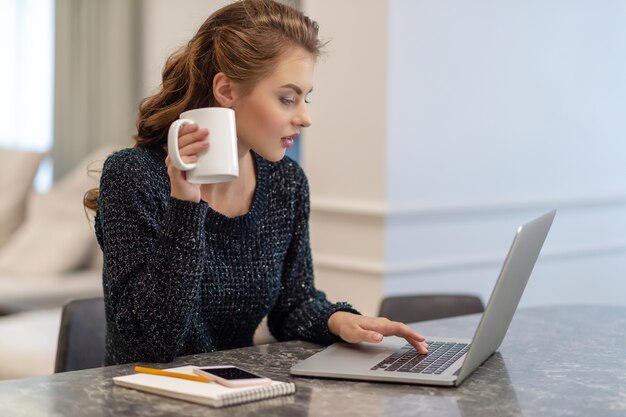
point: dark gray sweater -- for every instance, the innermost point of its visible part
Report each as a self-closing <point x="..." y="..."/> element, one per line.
<point x="180" y="278"/>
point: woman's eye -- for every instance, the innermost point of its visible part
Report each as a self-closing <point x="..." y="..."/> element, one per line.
<point x="287" y="100"/>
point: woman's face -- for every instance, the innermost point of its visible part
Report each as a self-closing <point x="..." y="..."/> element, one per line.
<point x="272" y="114"/>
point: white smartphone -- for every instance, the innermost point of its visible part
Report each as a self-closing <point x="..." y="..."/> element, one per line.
<point x="231" y="376"/>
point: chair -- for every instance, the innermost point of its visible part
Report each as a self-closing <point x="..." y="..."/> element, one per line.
<point x="81" y="335"/>
<point x="414" y="308"/>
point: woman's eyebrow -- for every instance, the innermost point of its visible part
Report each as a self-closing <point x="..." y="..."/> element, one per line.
<point x="295" y="88"/>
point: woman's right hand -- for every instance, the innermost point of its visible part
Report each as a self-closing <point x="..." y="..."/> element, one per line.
<point x="191" y="141"/>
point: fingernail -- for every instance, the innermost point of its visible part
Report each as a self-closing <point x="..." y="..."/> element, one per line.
<point x="378" y="337"/>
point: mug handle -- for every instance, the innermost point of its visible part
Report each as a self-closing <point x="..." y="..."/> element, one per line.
<point x="172" y="145"/>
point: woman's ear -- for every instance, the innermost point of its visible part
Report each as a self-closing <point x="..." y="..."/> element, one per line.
<point x="223" y="90"/>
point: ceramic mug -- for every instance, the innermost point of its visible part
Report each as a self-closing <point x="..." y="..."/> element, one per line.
<point x="220" y="162"/>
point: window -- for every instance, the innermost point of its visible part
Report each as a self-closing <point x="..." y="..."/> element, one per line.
<point x="27" y="74"/>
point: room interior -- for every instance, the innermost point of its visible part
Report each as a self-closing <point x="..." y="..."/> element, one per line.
<point x="439" y="127"/>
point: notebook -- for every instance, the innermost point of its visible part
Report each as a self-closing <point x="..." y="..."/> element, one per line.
<point x="208" y="393"/>
<point x="449" y="360"/>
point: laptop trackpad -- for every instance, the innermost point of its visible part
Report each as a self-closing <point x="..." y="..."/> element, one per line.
<point x="350" y="357"/>
<point x="360" y="350"/>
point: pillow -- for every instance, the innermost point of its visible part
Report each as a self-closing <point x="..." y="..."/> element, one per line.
<point x="17" y="171"/>
<point x="56" y="237"/>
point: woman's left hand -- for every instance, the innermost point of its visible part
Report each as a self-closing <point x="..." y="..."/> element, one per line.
<point x="354" y="328"/>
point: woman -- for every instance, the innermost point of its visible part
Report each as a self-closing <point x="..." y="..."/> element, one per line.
<point x="195" y="268"/>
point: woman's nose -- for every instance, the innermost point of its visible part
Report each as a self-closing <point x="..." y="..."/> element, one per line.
<point x="303" y="119"/>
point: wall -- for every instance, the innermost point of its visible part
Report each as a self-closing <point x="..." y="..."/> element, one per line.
<point x="499" y="110"/>
<point x="343" y="152"/>
<point x="166" y="26"/>
<point x="492" y="112"/>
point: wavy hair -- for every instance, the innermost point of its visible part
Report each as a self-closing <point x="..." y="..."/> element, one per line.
<point x="244" y="40"/>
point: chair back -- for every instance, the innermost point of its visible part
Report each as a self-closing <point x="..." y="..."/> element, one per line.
<point x="81" y="336"/>
<point x="414" y="308"/>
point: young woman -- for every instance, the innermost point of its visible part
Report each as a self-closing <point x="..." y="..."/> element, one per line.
<point x="195" y="268"/>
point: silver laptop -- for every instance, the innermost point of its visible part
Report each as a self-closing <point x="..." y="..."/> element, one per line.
<point x="449" y="360"/>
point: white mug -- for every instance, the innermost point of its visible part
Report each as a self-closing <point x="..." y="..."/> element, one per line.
<point x="220" y="162"/>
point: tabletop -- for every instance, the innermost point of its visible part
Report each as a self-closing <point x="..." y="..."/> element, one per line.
<point x="554" y="361"/>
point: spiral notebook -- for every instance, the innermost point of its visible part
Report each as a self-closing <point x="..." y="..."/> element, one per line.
<point x="208" y="393"/>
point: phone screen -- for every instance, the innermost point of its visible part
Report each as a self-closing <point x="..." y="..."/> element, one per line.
<point x="230" y="373"/>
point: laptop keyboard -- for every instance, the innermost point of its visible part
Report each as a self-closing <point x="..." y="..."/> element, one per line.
<point x="439" y="358"/>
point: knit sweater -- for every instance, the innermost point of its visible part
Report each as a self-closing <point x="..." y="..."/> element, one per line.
<point x="181" y="278"/>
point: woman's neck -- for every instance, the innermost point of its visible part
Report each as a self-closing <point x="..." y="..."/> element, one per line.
<point x="233" y="198"/>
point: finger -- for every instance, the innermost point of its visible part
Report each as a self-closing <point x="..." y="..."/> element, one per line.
<point x="420" y="347"/>
<point x="194" y="148"/>
<point x="390" y="328"/>
<point x="189" y="159"/>
<point x="405" y="331"/>
<point x="186" y="159"/>
<point x="191" y="137"/>
<point x="373" y="337"/>
<point x="188" y="128"/>
<point x="361" y="335"/>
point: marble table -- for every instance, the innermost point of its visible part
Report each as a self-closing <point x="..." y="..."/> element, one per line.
<point x="555" y="361"/>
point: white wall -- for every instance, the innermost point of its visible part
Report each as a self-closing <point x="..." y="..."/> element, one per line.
<point x="481" y="92"/>
<point x="499" y="110"/>
<point x="494" y="112"/>
<point x="166" y="26"/>
<point x="343" y="152"/>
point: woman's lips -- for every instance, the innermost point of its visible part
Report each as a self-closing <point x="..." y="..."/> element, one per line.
<point x="287" y="141"/>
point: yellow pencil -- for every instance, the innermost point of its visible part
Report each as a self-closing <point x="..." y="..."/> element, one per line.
<point x="153" y="371"/>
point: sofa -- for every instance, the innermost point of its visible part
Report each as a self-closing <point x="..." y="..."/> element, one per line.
<point x="48" y="256"/>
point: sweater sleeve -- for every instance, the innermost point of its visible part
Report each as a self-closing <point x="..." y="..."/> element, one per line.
<point x="153" y="246"/>
<point x="302" y="311"/>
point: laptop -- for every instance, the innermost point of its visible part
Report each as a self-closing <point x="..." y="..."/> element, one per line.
<point x="449" y="360"/>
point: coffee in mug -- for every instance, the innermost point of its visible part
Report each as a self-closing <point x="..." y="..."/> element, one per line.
<point x="220" y="163"/>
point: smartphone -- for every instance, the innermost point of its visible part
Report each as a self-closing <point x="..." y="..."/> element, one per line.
<point x="231" y="376"/>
